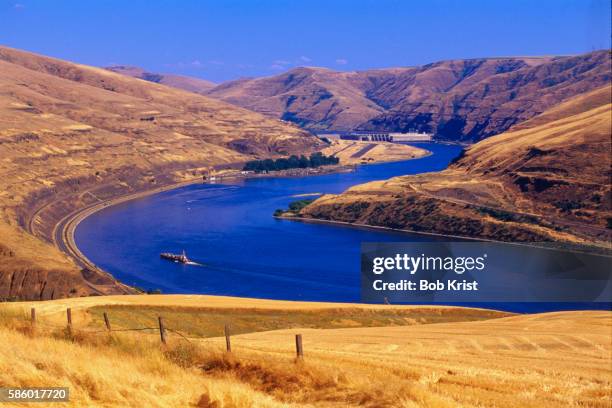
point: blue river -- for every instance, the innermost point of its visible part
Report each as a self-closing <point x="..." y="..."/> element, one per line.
<point x="242" y="249"/>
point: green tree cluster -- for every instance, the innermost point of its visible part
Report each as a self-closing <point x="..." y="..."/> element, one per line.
<point x="293" y="162"/>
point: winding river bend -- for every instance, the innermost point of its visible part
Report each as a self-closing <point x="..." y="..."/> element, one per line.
<point x="242" y="249"/>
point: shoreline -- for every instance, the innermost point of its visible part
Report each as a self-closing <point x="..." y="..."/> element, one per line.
<point x="63" y="234"/>
<point x="377" y="227"/>
<point x="63" y="231"/>
<point x="407" y="231"/>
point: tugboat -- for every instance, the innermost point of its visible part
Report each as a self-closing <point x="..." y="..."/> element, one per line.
<point x="180" y="258"/>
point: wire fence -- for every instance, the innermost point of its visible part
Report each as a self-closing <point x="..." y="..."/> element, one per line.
<point x="162" y="329"/>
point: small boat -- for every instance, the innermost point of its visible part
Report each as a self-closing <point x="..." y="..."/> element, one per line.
<point x="180" y="258"/>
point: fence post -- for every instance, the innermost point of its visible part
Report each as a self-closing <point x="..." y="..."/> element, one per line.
<point x="69" y="320"/>
<point x="107" y="322"/>
<point x="228" y="344"/>
<point x="298" y="346"/>
<point x="162" y="330"/>
<point x="33" y="316"/>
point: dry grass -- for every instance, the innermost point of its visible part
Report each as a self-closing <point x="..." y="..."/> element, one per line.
<point x="544" y="360"/>
<point x="78" y="135"/>
<point x="547" y="179"/>
<point x="390" y="98"/>
<point x="547" y="360"/>
<point x="349" y="152"/>
<point x="209" y="322"/>
<point x="57" y="307"/>
<point x="205" y="316"/>
<point x="118" y="371"/>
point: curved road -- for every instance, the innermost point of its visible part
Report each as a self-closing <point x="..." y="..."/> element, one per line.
<point x="63" y="231"/>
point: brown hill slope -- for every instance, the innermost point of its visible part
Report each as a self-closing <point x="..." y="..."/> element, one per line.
<point x="316" y="98"/>
<point x="72" y="135"/>
<point x="457" y="100"/>
<point x="547" y="180"/>
<point x="186" y="83"/>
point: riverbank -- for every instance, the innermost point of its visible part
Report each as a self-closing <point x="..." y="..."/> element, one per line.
<point x="212" y="223"/>
<point x="352" y="152"/>
<point x="64" y="230"/>
<point x="285" y="216"/>
<point x="586" y="248"/>
<point x="63" y="233"/>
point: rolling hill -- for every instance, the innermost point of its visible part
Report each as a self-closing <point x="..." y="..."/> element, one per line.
<point x="315" y="98"/>
<point x="191" y="84"/>
<point x="545" y="179"/>
<point x="403" y="356"/>
<point x="461" y="100"/>
<point x="73" y="135"/>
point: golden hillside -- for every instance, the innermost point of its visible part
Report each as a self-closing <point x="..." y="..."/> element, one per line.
<point x="480" y="359"/>
<point x="73" y="135"/>
<point x="547" y="179"/>
<point x="191" y="84"/>
<point x="463" y="100"/>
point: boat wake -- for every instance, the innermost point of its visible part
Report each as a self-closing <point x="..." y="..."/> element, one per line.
<point x="307" y="195"/>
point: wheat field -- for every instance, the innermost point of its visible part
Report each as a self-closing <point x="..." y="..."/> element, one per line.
<point x="541" y="360"/>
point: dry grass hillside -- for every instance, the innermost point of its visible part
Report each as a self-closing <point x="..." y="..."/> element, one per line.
<point x="351" y="152"/>
<point x="191" y="84"/>
<point x="547" y="179"/>
<point x="471" y="358"/>
<point x="464" y="100"/>
<point x="73" y="135"/>
<point x="316" y="98"/>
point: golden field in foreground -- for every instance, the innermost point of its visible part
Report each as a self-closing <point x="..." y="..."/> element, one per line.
<point x="486" y="359"/>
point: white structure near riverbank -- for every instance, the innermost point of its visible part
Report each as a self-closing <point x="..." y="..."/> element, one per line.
<point x="379" y="136"/>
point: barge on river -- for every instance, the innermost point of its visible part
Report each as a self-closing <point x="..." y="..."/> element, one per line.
<point x="181" y="258"/>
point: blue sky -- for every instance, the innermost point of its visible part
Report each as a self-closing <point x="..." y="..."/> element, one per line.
<point x="223" y="40"/>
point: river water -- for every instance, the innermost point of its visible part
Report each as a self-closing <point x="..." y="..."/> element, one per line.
<point x="242" y="249"/>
